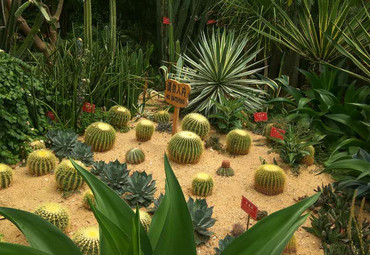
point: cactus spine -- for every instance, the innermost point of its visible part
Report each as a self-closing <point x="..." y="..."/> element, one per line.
<point x="291" y="247"/>
<point x="119" y="116"/>
<point x="55" y="214"/>
<point x="185" y="148"/>
<point x="162" y="117"/>
<point x="67" y="176"/>
<point x="197" y="124"/>
<point x="100" y="136"/>
<point x="6" y="176"/>
<point x="144" y="130"/>
<point x="225" y="169"/>
<point x="238" y="142"/>
<point x="202" y="184"/>
<point x="135" y="156"/>
<point x="309" y="159"/>
<point x="269" y="179"/>
<point x="87" y="239"/>
<point x="145" y="219"/>
<point x="38" y="145"/>
<point x="88" y="195"/>
<point x="41" y="162"/>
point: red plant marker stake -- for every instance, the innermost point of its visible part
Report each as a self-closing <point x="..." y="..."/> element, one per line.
<point x="260" y="116"/>
<point x="250" y="208"/>
<point x="277" y="133"/>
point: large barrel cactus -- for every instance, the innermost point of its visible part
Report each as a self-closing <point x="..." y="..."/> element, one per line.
<point x="88" y="196"/>
<point x="145" y="219"/>
<point x="135" y="156"/>
<point x="67" y="177"/>
<point x="269" y="179"/>
<point x="6" y="176"/>
<point x="238" y="142"/>
<point x="162" y="117"/>
<point x="144" y="130"/>
<point x="309" y="159"/>
<point x="225" y="169"/>
<point x="87" y="239"/>
<point x="100" y="136"/>
<point x="202" y="184"/>
<point x="55" y="214"/>
<point x="197" y="124"/>
<point x="119" y="116"/>
<point x="41" y="162"/>
<point x="185" y="148"/>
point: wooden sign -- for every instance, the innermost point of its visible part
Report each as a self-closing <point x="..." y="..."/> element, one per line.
<point x="260" y="116"/>
<point x="250" y="208"/>
<point x="176" y="94"/>
<point x="277" y="133"/>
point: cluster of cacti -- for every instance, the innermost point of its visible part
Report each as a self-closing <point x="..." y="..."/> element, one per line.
<point x="225" y="169"/>
<point x="41" y="162"/>
<point x="55" y="214"/>
<point x="67" y="177"/>
<point x="37" y="145"/>
<point x="100" y="136"/>
<point x="291" y="247"/>
<point x="6" y="176"/>
<point x="144" y="130"/>
<point x="238" y="142"/>
<point x="269" y="179"/>
<point x="135" y="156"/>
<point x="88" y="196"/>
<point x="185" y="147"/>
<point x="309" y="159"/>
<point x="202" y="184"/>
<point x="87" y="239"/>
<point x="162" y="117"/>
<point x="145" y="219"/>
<point x="119" y="116"/>
<point x="197" y="124"/>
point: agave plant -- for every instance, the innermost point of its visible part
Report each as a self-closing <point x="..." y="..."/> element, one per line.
<point x="140" y="189"/>
<point x="115" y="175"/>
<point x="223" y="243"/>
<point x="61" y="142"/>
<point x="156" y="204"/>
<point x="221" y="67"/>
<point x="201" y="215"/>
<point x="82" y="152"/>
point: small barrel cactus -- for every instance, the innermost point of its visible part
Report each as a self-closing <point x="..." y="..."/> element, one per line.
<point x="309" y="159"/>
<point x="119" y="116"/>
<point x="144" y="130"/>
<point x="6" y="176"/>
<point x="55" y="214"/>
<point x="88" y="195"/>
<point x="100" y="136"/>
<point x="38" y="145"/>
<point x="135" y="156"/>
<point x="67" y="177"/>
<point x="291" y="247"/>
<point x="185" y="148"/>
<point x="269" y="179"/>
<point x="202" y="184"/>
<point x="162" y="117"/>
<point x="41" y="162"/>
<point x="238" y="142"/>
<point x="225" y="169"/>
<point x="197" y="124"/>
<point x="145" y="219"/>
<point x="87" y="239"/>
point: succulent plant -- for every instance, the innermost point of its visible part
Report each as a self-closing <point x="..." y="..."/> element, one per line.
<point x="214" y="143"/>
<point x="100" y="136"/>
<point x="87" y="239"/>
<point x="223" y="243"/>
<point x="201" y="216"/>
<point x="37" y="145"/>
<point x="161" y="117"/>
<point x="269" y="179"/>
<point x="145" y="219"/>
<point x="135" y="156"/>
<point x="83" y="153"/>
<point x="197" y="124"/>
<point x="291" y="247"/>
<point x="156" y="204"/>
<point x="144" y="130"/>
<point x="238" y="142"/>
<point x="140" y="189"/>
<point x="41" y="162"/>
<point x="309" y="159"/>
<point x="6" y="176"/>
<point x="55" y="214"/>
<point x="115" y="175"/>
<point x="97" y="167"/>
<point x="185" y="147"/>
<point x="119" y="116"/>
<point x="225" y="169"/>
<point x="88" y="196"/>
<point x="202" y="184"/>
<point x="164" y="127"/>
<point x="61" y="142"/>
<point x="67" y="176"/>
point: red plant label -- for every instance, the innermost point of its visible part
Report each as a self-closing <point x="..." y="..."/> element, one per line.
<point x="166" y="20"/>
<point x="211" y="21"/>
<point x="260" y="116"/>
<point x="87" y="107"/>
<point x="249" y="207"/>
<point x="50" y="115"/>
<point x="277" y="133"/>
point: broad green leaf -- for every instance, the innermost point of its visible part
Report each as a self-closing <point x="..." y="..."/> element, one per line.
<point x="350" y="164"/>
<point x="134" y="248"/>
<point x="281" y="100"/>
<point x="21" y="9"/>
<point x="16" y="249"/>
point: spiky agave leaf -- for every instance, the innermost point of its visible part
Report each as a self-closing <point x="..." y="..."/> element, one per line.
<point x="98" y="167"/>
<point x="140" y="189"/>
<point x="61" y="142"/>
<point x="83" y="153"/>
<point x="156" y="204"/>
<point x="222" y="243"/>
<point x="115" y="175"/>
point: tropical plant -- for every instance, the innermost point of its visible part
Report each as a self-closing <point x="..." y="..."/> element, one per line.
<point x="140" y="189"/>
<point x="121" y="233"/>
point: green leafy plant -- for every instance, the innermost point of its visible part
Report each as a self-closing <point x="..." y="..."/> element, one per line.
<point x="140" y="189"/>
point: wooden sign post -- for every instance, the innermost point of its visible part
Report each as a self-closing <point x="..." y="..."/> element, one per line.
<point x="176" y="94"/>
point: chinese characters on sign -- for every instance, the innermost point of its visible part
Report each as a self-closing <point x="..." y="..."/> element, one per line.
<point x="277" y="133"/>
<point x="260" y="116"/>
<point x="249" y="207"/>
<point x="177" y="94"/>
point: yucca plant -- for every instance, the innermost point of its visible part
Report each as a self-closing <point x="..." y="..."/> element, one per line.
<point x="222" y="67"/>
<point x="122" y="234"/>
